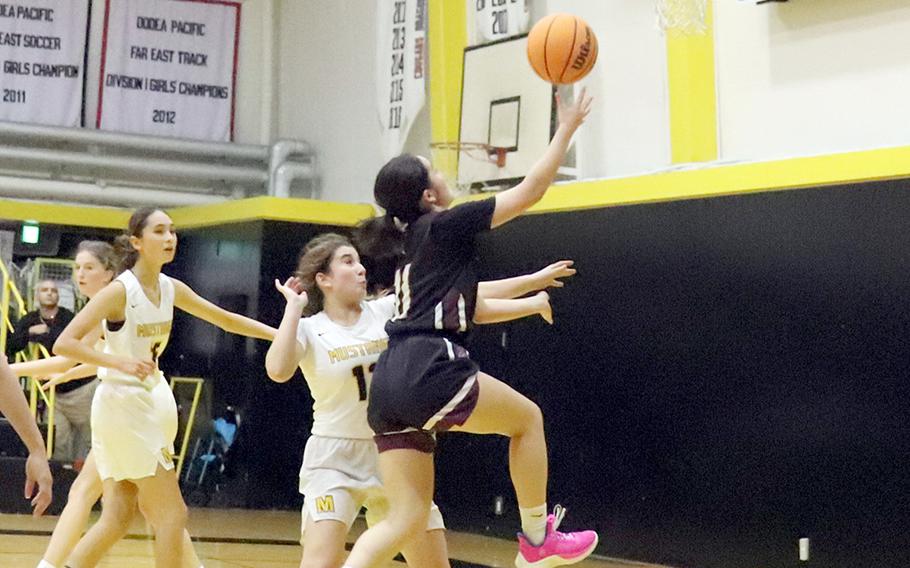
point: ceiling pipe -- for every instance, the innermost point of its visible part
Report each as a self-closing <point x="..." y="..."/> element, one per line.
<point x="284" y="149"/>
<point x="286" y="174"/>
<point x="23" y="188"/>
<point x="147" y="166"/>
<point x="184" y="147"/>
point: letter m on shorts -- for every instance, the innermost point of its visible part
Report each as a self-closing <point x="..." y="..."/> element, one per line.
<point x="325" y="504"/>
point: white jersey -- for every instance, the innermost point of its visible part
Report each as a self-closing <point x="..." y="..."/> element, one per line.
<point x="338" y="364"/>
<point x="145" y="330"/>
<point x="134" y="422"/>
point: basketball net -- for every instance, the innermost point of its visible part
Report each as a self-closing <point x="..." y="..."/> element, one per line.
<point x="474" y="151"/>
<point x="684" y="16"/>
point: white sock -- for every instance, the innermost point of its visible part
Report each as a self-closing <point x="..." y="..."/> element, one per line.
<point x="534" y="523"/>
<point x="45" y="564"/>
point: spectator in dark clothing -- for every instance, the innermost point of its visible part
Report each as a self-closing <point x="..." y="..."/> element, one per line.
<point x="42" y="325"/>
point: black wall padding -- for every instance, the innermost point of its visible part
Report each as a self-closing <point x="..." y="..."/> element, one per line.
<point x="725" y="376"/>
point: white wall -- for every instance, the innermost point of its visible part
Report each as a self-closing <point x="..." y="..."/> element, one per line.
<point x="327" y="90"/>
<point x="628" y="129"/>
<point x="812" y="76"/>
<point x="328" y="94"/>
<point x="804" y="77"/>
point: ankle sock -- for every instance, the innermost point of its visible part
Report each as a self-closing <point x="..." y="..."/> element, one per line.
<point x="534" y="523"/>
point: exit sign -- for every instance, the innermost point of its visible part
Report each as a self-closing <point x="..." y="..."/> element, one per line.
<point x="31" y="233"/>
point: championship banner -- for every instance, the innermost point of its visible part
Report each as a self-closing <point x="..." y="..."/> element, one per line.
<point x="401" y="65"/>
<point x="42" y="49"/>
<point x="497" y="19"/>
<point x="169" y="68"/>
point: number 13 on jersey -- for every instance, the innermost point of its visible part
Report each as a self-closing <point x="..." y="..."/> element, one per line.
<point x="363" y="376"/>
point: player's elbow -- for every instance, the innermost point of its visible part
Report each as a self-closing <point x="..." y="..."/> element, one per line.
<point x="61" y="346"/>
<point x="277" y="372"/>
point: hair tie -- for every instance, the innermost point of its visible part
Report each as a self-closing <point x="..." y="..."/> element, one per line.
<point x="399" y="224"/>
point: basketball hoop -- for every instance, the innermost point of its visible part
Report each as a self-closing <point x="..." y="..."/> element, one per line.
<point x="683" y="16"/>
<point x="475" y="150"/>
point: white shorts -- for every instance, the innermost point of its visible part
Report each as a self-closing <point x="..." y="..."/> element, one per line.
<point x="133" y="429"/>
<point x="339" y="476"/>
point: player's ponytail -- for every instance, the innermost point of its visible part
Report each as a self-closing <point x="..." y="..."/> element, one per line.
<point x="398" y="189"/>
<point x="126" y="254"/>
<point x="380" y="242"/>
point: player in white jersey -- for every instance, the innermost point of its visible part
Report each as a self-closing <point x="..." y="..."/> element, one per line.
<point x="336" y="347"/>
<point x="95" y="268"/>
<point x="134" y="415"/>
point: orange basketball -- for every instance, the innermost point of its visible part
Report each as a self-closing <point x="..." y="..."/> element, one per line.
<point x="562" y="48"/>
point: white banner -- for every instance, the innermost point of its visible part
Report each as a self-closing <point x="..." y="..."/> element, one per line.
<point x="42" y="49"/>
<point x="169" y="68"/>
<point x="401" y="67"/>
<point x="496" y="19"/>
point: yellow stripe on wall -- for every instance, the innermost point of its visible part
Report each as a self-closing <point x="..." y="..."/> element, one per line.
<point x="448" y="37"/>
<point x="73" y="215"/>
<point x="238" y="211"/>
<point x="713" y="181"/>
<point x="733" y="179"/>
<point x="310" y="211"/>
<point x="692" y="93"/>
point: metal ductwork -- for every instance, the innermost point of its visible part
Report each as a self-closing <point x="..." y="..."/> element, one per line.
<point x="116" y="196"/>
<point x="107" y="168"/>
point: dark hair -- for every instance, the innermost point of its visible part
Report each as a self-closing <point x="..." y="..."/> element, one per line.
<point x="316" y="257"/>
<point x="399" y="186"/>
<point x="123" y="248"/>
<point x="398" y="189"/>
<point x="102" y="251"/>
<point x="381" y="248"/>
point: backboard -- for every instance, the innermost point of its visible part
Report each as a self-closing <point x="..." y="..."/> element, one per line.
<point x="504" y="104"/>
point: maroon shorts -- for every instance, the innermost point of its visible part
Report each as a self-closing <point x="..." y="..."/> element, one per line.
<point x="421" y="385"/>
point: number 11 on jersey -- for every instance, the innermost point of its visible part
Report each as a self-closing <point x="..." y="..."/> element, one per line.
<point x="362" y="375"/>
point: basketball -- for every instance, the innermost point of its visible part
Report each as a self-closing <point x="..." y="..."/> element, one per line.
<point x="562" y="48"/>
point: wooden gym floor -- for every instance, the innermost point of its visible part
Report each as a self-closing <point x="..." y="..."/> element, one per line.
<point x="245" y="539"/>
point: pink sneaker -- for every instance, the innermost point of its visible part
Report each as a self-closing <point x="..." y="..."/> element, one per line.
<point x="558" y="549"/>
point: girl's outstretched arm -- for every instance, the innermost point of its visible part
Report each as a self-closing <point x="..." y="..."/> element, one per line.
<point x="514" y="201"/>
<point x="194" y="304"/>
<point x="546" y="277"/>
<point x="494" y="310"/>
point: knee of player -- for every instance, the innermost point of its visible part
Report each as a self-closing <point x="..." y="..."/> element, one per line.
<point x="321" y="554"/>
<point x="177" y="515"/>
<point x="119" y="516"/>
<point x="84" y="492"/>
<point x="409" y="523"/>
<point x="531" y="418"/>
<point x="172" y="517"/>
<point x="322" y="561"/>
<point x="535" y="414"/>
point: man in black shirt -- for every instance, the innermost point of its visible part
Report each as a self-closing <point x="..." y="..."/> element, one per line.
<point x="43" y="325"/>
